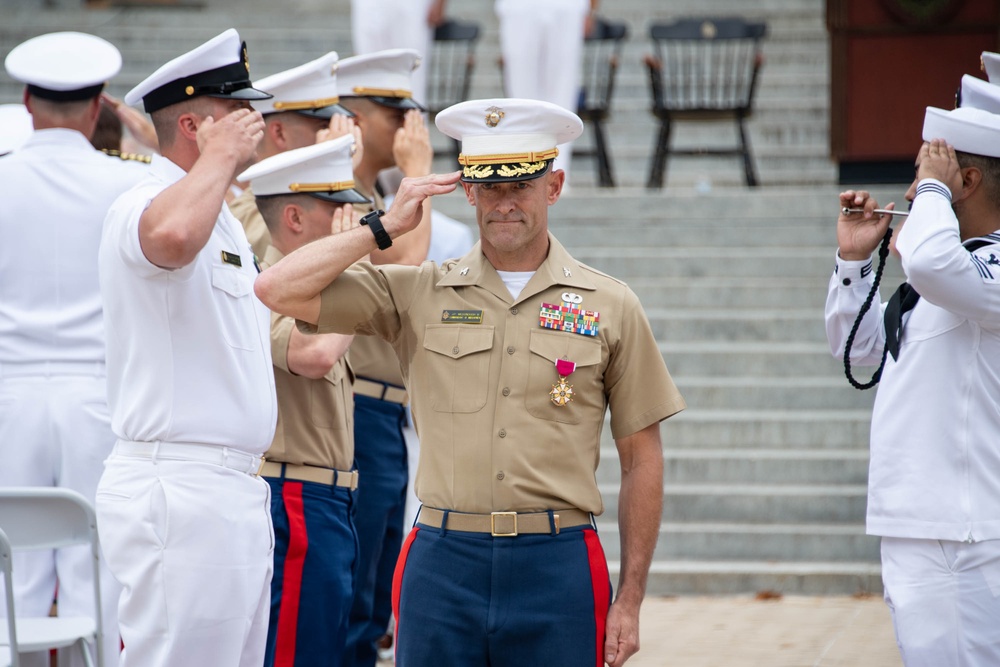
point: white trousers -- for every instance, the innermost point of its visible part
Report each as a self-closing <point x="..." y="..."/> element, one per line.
<point x="192" y="545"/>
<point x="945" y="601"/>
<point x="542" y="47"/>
<point x="377" y="25"/>
<point x="55" y="430"/>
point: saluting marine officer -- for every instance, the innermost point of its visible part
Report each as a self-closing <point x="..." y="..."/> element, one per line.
<point x="183" y="517"/>
<point x="302" y="195"/>
<point x="55" y="190"/>
<point x="512" y="353"/>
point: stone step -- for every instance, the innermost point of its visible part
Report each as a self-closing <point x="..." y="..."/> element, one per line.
<point x="802" y="264"/>
<point x="742" y="359"/>
<point x="757" y="503"/>
<point x="761" y="393"/>
<point x="724" y="292"/>
<point x="772" y="428"/>
<point x="701" y="324"/>
<point x="742" y="465"/>
<point x="698" y="577"/>
<point x="712" y="542"/>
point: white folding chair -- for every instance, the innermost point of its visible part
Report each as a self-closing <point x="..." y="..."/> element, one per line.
<point x="47" y="518"/>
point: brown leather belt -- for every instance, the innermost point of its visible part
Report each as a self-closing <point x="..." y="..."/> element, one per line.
<point x="298" y="473"/>
<point x="504" y="524"/>
<point x="380" y="390"/>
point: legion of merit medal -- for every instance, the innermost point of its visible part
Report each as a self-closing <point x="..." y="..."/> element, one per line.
<point x="562" y="391"/>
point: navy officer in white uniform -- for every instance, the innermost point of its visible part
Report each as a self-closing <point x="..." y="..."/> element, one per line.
<point x="56" y="189"/>
<point x="183" y="517"/>
<point x="934" y="482"/>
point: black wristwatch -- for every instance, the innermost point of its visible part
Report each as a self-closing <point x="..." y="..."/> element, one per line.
<point x="374" y="222"/>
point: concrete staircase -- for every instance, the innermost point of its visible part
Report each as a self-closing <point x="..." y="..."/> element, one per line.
<point x="766" y="470"/>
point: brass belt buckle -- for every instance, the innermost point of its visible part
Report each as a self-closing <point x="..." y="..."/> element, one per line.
<point x="261" y="466"/>
<point x="493" y="524"/>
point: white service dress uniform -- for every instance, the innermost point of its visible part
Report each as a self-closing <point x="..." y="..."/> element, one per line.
<point x="934" y="480"/>
<point x="542" y="48"/>
<point x="377" y="25"/>
<point x="184" y="517"/>
<point x="54" y="425"/>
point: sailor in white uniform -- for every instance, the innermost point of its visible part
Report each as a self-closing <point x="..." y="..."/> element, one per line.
<point x="55" y="190"/>
<point x="183" y="517"/>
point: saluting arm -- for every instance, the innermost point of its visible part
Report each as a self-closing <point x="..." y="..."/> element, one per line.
<point x="179" y="221"/>
<point x="640" y="505"/>
<point x="293" y="286"/>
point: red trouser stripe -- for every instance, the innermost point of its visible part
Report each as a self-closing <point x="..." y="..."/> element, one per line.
<point x="602" y="588"/>
<point x="291" y="582"/>
<point x="397" y="579"/>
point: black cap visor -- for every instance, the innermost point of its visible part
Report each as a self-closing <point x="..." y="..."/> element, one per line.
<point x="396" y="102"/>
<point x="325" y="113"/>
<point x="349" y="196"/>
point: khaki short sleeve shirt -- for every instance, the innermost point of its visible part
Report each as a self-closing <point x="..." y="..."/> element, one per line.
<point x="481" y="369"/>
<point x="315" y="417"/>
<point x="244" y="207"/>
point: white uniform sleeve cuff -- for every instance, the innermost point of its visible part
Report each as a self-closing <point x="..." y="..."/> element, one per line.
<point x="850" y="273"/>
<point x="932" y="186"/>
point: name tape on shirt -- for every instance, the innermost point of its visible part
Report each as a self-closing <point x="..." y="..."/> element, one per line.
<point x="462" y="316"/>
<point x="231" y="258"/>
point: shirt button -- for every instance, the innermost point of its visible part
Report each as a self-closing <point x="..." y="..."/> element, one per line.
<point x="510" y="350"/>
<point x="513" y="311"/>
<point x="506" y="391"/>
<point x="454" y="350"/>
<point x="847" y="281"/>
<point x="503" y="433"/>
<point x="500" y="475"/>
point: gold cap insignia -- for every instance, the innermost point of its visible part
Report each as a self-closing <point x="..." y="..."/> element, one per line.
<point x="493" y="116"/>
<point x="189" y="90"/>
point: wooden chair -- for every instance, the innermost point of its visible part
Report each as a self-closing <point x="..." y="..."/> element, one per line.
<point x="452" y="61"/>
<point x="703" y="69"/>
<point x="601" y="56"/>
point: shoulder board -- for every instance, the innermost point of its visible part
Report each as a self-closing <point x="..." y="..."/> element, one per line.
<point x="137" y="157"/>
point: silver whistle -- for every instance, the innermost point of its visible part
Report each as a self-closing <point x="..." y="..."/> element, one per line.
<point x="877" y="210"/>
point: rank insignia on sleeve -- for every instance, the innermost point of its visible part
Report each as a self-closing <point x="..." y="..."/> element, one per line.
<point x="231" y="258"/>
<point x="462" y="316"/>
<point x="569" y="317"/>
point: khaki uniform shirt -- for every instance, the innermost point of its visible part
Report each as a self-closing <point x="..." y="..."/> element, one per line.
<point x="371" y="357"/>
<point x="480" y="368"/>
<point x="245" y="209"/>
<point x="315" y="417"/>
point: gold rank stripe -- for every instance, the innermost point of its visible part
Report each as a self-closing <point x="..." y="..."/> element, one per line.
<point x="321" y="187"/>
<point x="506" y="158"/>
<point x="305" y="104"/>
<point x="382" y="92"/>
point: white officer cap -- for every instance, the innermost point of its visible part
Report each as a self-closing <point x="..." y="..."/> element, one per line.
<point x="968" y="129"/>
<point x="990" y="63"/>
<point x="978" y="94"/>
<point x="383" y="77"/>
<point x="309" y="89"/>
<point x="322" y="170"/>
<point x="15" y="126"/>
<point x="218" y="68"/>
<point x="64" y="66"/>
<point x="507" y="139"/>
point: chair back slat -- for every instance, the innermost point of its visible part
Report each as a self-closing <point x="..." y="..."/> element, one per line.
<point x="451" y="64"/>
<point x="45" y="518"/>
<point x="601" y="54"/>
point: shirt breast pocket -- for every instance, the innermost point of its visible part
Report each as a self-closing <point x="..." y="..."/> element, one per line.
<point x="234" y="304"/>
<point x="588" y="389"/>
<point x="458" y="366"/>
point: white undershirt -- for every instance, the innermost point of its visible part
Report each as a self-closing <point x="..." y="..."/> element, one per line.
<point x="515" y="280"/>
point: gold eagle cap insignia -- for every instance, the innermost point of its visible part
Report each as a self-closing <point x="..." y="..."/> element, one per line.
<point x="493" y="116"/>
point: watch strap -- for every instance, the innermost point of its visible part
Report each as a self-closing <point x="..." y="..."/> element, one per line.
<point x="374" y="222"/>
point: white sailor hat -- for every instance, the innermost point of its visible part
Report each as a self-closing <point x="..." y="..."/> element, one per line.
<point x="507" y="139"/>
<point x="968" y="129"/>
<point x="217" y="68"/>
<point x="990" y="63"/>
<point x="322" y="170"/>
<point x="383" y="77"/>
<point x="978" y="94"/>
<point x="310" y="89"/>
<point x="15" y="126"/>
<point x="64" y="66"/>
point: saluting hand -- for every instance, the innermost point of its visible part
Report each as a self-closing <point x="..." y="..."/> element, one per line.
<point x="937" y="159"/>
<point x="411" y="145"/>
<point x="344" y="219"/>
<point x="339" y="126"/>
<point x="236" y="134"/>
<point x="858" y="234"/>
<point x="408" y="206"/>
